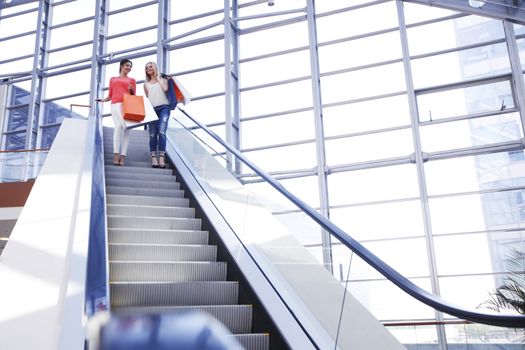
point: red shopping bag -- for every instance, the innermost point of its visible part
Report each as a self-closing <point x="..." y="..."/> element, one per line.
<point x="133" y="108"/>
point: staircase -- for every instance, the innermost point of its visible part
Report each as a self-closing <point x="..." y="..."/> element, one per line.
<point x="159" y="258"/>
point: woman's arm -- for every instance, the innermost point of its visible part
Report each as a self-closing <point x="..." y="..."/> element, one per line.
<point x="146" y="90"/>
<point x="103" y="99"/>
<point x="163" y="83"/>
<point x="110" y="93"/>
<point x="133" y="89"/>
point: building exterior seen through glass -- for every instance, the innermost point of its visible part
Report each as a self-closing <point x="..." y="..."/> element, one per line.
<point x="401" y="122"/>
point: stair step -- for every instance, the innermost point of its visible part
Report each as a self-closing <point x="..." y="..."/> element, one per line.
<point x="167" y="184"/>
<point x="136" y="170"/>
<point x="253" y="341"/>
<point x="153" y="176"/>
<point x="173" y="293"/>
<point x="237" y="318"/>
<point x="123" y="235"/>
<point x="159" y="257"/>
<point x="147" y="222"/>
<point x="148" y="210"/>
<point x="162" y="252"/>
<point x="138" y="191"/>
<point x="142" y="162"/>
<point x="162" y="271"/>
<point x="147" y="200"/>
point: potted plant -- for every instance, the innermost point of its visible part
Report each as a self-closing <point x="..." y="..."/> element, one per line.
<point x="511" y="294"/>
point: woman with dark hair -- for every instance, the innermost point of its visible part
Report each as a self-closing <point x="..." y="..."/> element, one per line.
<point x="118" y="86"/>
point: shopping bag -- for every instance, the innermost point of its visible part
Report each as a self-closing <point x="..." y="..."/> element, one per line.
<point x="151" y="116"/>
<point x="133" y="108"/>
<point x="170" y="94"/>
<point x="181" y="93"/>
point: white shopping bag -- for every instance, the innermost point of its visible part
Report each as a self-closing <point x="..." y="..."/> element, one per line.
<point x="182" y="94"/>
<point x="150" y="116"/>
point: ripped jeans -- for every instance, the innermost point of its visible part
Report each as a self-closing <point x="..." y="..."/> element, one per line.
<point x="157" y="129"/>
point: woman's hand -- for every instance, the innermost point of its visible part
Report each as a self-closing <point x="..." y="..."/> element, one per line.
<point x="130" y="89"/>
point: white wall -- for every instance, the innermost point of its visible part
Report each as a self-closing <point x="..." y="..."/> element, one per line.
<point x="39" y="268"/>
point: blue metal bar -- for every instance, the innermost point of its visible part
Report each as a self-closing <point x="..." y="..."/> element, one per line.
<point x="386" y="270"/>
<point x="97" y="289"/>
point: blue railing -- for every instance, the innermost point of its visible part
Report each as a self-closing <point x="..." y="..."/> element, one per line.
<point x="392" y="275"/>
<point x="97" y="288"/>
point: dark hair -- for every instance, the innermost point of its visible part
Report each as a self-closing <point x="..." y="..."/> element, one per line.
<point x="123" y="62"/>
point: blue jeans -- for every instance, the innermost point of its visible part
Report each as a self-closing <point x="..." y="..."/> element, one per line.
<point x="157" y="129"/>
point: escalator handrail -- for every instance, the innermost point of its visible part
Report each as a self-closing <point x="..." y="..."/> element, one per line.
<point x="97" y="296"/>
<point x="386" y="270"/>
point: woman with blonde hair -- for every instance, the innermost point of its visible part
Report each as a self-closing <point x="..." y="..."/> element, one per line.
<point x="155" y="88"/>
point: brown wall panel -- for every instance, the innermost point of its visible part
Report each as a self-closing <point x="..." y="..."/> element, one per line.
<point x="14" y="194"/>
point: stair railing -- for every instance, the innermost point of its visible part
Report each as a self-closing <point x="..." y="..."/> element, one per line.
<point x="371" y="259"/>
<point x="97" y="279"/>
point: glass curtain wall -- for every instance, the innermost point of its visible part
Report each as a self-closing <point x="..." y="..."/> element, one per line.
<point x="417" y="127"/>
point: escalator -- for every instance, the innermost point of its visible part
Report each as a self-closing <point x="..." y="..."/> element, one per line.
<point x="194" y="241"/>
<point x="160" y="258"/>
<point x="161" y="275"/>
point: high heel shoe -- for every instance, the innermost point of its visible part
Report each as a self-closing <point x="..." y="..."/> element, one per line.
<point x="116" y="158"/>
<point x="121" y="160"/>
<point x="154" y="161"/>
<point x="162" y="162"/>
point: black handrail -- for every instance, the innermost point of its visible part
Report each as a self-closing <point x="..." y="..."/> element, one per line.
<point x="386" y="270"/>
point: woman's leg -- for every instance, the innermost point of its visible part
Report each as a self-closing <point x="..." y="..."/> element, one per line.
<point x="164" y="117"/>
<point x="153" y="130"/>
<point x="116" y="115"/>
<point x="125" y="142"/>
<point x="121" y="133"/>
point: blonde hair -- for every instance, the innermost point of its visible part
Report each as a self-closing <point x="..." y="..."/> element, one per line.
<point x="155" y="70"/>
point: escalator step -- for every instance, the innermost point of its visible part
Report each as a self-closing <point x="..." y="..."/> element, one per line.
<point x="150" y="211"/>
<point x="237" y="318"/>
<point x="162" y="252"/>
<point x="175" y="271"/>
<point x="147" y="200"/>
<point x="152" y="236"/>
<point x="173" y="293"/>
<point x="149" y="222"/>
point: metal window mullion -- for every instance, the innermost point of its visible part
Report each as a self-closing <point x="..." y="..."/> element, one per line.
<point x="131" y="8"/>
<point x="235" y="76"/>
<point x="272" y="14"/>
<point x="98" y="69"/>
<point x="195" y="31"/>
<point x="6" y="116"/>
<point x="77" y="21"/>
<point x="72" y="46"/>
<point x="231" y="88"/>
<point x="272" y="25"/>
<point x="163" y="35"/>
<point x="37" y="80"/>
<point x="418" y="158"/>
<point x="19" y="58"/>
<point x="131" y="32"/>
<point x="321" y="170"/>
<point x="197" y="41"/>
<point x="18" y="35"/>
<point x="517" y="73"/>
<point x="24" y="12"/>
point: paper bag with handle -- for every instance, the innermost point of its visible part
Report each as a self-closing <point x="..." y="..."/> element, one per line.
<point x="133" y="108"/>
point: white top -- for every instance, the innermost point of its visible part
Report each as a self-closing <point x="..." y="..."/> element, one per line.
<point x="156" y="95"/>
